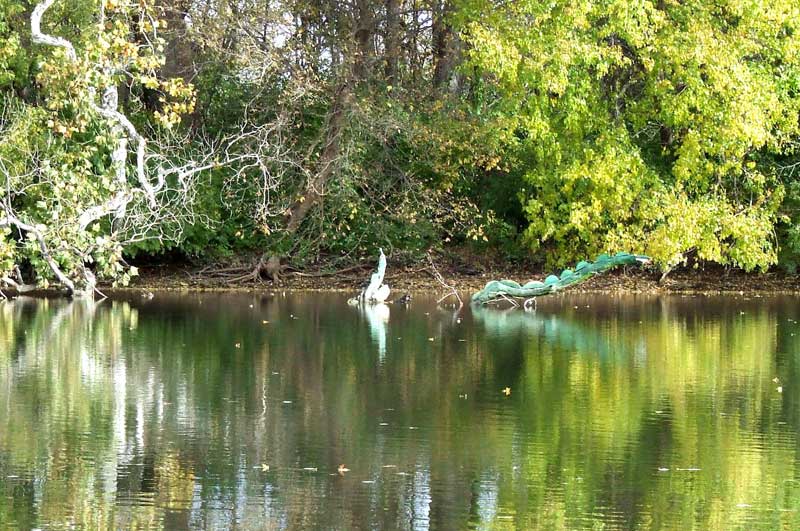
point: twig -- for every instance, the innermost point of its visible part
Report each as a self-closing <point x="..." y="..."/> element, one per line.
<point x="440" y="279"/>
<point x="503" y="297"/>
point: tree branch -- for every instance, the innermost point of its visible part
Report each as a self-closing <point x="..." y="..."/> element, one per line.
<point x="51" y="40"/>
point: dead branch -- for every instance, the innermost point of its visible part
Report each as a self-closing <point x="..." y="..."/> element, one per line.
<point x="502" y="297"/>
<point x="157" y="203"/>
<point x="452" y="290"/>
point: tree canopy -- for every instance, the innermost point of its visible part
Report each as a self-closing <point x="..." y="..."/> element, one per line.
<point x="311" y="130"/>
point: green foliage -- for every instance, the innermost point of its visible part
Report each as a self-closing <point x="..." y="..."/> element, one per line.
<point x="567" y="129"/>
<point x="56" y="148"/>
<point x="10" y="49"/>
<point x="640" y="124"/>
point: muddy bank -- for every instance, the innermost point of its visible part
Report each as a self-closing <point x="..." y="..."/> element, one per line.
<point x="421" y="278"/>
<point x="462" y="274"/>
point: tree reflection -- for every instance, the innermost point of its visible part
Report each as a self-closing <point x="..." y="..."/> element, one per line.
<point x="222" y="411"/>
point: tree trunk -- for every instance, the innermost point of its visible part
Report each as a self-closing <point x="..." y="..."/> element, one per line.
<point x="326" y="167"/>
<point x="179" y="53"/>
<point x="392" y="42"/>
<point x="364" y="35"/>
<point x="445" y="45"/>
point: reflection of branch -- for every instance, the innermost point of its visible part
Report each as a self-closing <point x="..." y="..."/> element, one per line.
<point x="55" y="321"/>
<point x="377" y="316"/>
<point x="440" y="279"/>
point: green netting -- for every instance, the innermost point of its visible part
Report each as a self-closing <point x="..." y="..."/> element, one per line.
<point x="569" y="277"/>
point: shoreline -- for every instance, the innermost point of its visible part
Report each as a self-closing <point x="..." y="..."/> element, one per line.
<point x="421" y="280"/>
<point x="410" y="279"/>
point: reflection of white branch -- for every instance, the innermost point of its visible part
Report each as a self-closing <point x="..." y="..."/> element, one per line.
<point x="377" y="316"/>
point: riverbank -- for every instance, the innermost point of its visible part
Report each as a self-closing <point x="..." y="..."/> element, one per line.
<point x="178" y="277"/>
<point x="421" y="277"/>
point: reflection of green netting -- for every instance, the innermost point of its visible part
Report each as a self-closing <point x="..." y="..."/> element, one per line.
<point x="553" y="283"/>
<point x="568" y="333"/>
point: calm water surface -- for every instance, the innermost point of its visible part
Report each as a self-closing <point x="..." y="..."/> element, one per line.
<point x="236" y="411"/>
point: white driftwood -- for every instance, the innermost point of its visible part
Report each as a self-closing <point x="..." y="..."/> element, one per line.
<point x="39" y="37"/>
<point x="377" y="291"/>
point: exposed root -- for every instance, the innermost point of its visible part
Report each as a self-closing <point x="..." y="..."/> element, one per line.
<point x="358" y="267"/>
<point x="263" y="268"/>
<point x="269" y="267"/>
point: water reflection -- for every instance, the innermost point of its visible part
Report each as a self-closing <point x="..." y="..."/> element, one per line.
<point x="377" y="316"/>
<point x="235" y="411"/>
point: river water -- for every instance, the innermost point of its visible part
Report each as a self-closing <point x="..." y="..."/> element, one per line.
<point x="286" y="411"/>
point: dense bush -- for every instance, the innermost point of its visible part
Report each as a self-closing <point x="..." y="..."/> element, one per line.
<point x="642" y="125"/>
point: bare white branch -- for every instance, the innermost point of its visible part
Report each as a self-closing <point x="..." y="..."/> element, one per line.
<point x="43" y="38"/>
<point x="11" y="219"/>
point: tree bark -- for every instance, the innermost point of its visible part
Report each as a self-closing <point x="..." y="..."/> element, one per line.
<point x="179" y="54"/>
<point x="327" y="160"/>
<point x="445" y="44"/>
<point x="392" y="42"/>
<point x="364" y="35"/>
